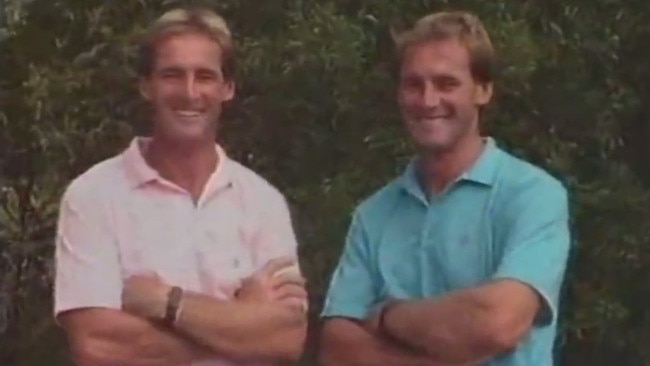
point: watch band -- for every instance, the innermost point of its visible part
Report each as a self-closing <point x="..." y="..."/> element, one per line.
<point x="174" y="298"/>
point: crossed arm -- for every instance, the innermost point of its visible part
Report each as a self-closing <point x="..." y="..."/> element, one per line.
<point x="348" y="342"/>
<point x="206" y="328"/>
<point x="467" y="326"/>
<point x="242" y="330"/>
<point x="102" y="336"/>
<point x="88" y="304"/>
<point x="347" y="339"/>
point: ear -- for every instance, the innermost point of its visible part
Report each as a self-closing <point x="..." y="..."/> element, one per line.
<point x="483" y="94"/>
<point x="145" y="88"/>
<point x="228" y="91"/>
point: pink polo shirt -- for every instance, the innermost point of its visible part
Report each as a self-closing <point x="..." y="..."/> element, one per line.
<point x="121" y="218"/>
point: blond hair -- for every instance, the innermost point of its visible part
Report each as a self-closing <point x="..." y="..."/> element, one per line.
<point x="465" y="27"/>
<point x="183" y="21"/>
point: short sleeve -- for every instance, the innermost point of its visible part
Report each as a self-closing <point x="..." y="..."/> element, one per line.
<point x="87" y="271"/>
<point x="277" y="237"/>
<point x="538" y="243"/>
<point x="352" y="291"/>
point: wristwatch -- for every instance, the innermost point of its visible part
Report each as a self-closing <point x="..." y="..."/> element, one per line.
<point x="172" y="309"/>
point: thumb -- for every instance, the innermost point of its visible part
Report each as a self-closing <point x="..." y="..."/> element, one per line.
<point x="147" y="273"/>
<point x="277" y="264"/>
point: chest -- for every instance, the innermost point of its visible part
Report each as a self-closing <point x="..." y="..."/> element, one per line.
<point x="428" y="251"/>
<point x="210" y="249"/>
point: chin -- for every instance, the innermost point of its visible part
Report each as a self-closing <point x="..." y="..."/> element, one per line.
<point x="434" y="146"/>
<point x="194" y="138"/>
<point x="185" y="137"/>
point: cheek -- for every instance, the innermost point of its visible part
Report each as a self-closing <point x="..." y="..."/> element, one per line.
<point x="408" y="101"/>
<point x="215" y="95"/>
<point x="165" y="95"/>
<point x="461" y="101"/>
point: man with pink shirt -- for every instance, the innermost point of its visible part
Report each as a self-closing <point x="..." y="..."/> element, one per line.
<point x="171" y="253"/>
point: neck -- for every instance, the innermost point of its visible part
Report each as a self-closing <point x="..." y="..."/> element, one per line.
<point x="439" y="169"/>
<point x="187" y="165"/>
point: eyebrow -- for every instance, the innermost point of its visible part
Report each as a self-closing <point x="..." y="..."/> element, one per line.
<point x="203" y="70"/>
<point x="436" y="76"/>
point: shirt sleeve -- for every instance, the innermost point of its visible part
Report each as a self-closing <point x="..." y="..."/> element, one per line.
<point x="87" y="271"/>
<point x="538" y="244"/>
<point x="277" y="237"/>
<point x="352" y="291"/>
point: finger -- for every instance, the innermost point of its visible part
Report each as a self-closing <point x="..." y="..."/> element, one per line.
<point x="288" y="278"/>
<point x="295" y="303"/>
<point x="144" y="276"/>
<point x="145" y="273"/>
<point x="291" y="269"/>
<point x="290" y="291"/>
<point x="276" y="264"/>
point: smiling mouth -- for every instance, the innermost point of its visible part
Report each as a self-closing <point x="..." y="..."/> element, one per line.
<point x="188" y="114"/>
<point x="433" y="119"/>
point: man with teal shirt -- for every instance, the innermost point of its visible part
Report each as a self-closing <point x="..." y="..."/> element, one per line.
<point x="460" y="260"/>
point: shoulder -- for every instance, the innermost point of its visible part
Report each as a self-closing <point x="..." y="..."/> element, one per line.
<point x="377" y="205"/>
<point x="519" y="177"/>
<point x="252" y="186"/>
<point x="524" y="186"/>
<point x="95" y="184"/>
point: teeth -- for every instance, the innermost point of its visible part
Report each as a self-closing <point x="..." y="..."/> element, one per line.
<point x="188" y="113"/>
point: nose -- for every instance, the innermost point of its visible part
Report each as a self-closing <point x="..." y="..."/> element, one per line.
<point x="191" y="88"/>
<point x="430" y="96"/>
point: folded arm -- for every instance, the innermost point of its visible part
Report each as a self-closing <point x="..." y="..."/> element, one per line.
<point x="265" y="321"/>
<point x="345" y="342"/>
<point x="476" y="324"/>
<point x="468" y="326"/>
<point x="88" y="287"/>
<point x="346" y="339"/>
<point x="244" y="330"/>
<point x="99" y="337"/>
<point x="256" y="330"/>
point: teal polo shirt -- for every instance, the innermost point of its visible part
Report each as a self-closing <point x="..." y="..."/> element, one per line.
<point x="503" y="218"/>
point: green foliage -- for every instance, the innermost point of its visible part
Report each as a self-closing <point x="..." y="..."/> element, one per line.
<point x="315" y="114"/>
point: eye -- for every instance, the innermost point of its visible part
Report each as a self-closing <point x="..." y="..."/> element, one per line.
<point x="206" y="76"/>
<point x="447" y="84"/>
<point x="169" y="74"/>
<point x="411" y="83"/>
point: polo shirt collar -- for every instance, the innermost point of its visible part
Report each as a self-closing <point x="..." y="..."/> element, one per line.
<point x="483" y="171"/>
<point x="485" y="168"/>
<point x="139" y="173"/>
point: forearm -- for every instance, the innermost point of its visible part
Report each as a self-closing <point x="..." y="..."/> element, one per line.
<point x="244" y="330"/>
<point x="456" y="329"/>
<point x="347" y="343"/>
<point x="125" y="339"/>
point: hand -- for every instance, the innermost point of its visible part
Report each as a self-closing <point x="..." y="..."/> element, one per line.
<point x="145" y="296"/>
<point x="372" y="322"/>
<point x="276" y="281"/>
